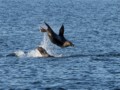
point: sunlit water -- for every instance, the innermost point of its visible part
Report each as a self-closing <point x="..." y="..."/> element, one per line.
<point x="92" y="25"/>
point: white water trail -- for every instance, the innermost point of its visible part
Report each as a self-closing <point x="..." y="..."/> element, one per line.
<point x="31" y="53"/>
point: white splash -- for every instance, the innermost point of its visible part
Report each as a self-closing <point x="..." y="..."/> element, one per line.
<point x="34" y="53"/>
<point x="19" y="53"/>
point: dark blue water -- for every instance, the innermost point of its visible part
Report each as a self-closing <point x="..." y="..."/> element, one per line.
<point x="92" y="25"/>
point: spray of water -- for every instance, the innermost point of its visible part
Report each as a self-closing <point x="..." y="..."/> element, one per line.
<point x="34" y="53"/>
<point x="48" y="46"/>
<point x="19" y="53"/>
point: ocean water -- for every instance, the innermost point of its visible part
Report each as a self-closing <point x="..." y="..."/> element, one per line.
<point x="92" y="25"/>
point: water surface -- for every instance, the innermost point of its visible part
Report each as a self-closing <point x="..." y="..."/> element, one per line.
<point x="92" y="25"/>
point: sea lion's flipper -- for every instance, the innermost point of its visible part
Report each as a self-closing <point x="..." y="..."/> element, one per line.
<point x="49" y="28"/>
<point x="61" y="31"/>
<point x="43" y="30"/>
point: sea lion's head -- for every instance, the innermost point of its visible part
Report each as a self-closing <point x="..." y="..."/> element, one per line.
<point x="68" y="43"/>
<point x="43" y="52"/>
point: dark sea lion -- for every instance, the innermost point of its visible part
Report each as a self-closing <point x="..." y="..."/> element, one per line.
<point x="58" y="40"/>
<point x="43" y="52"/>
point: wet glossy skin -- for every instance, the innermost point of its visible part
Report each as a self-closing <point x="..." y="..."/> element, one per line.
<point x="59" y="40"/>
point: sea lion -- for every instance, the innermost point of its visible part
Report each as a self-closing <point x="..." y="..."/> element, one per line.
<point x="43" y="52"/>
<point x="58" y="40"/>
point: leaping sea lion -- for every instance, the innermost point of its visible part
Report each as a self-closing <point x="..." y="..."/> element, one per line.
<point x="58" y="40"/>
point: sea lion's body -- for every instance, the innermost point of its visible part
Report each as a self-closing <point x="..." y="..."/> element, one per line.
<point x="59" y="40"/>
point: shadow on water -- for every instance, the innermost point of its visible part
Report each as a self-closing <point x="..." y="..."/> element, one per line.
<point x="55" y="88"/>
<point x="111" y="54"/>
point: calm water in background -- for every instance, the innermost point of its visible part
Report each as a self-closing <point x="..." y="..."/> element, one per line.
<point x="92" y="25"/>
